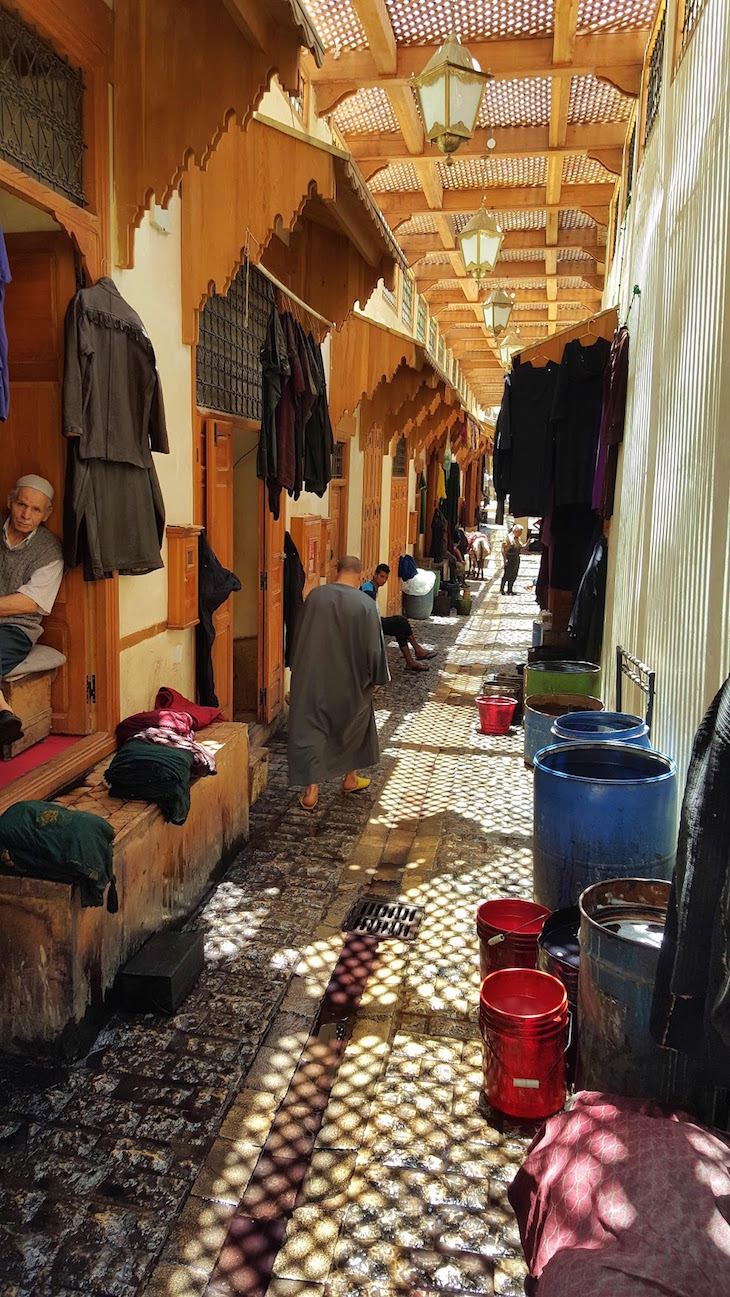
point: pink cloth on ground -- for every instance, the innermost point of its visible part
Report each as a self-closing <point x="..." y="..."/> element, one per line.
<point x="619" y="1198"/>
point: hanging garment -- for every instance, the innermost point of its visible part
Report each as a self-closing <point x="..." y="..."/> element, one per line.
<point x="305" y="404"/>
<point x="613" y="417"/>
<point x="215" y="584"/>
<point x="112" y="395"/>
<point x="502" y="459"/>
<point x="288" y="412"/>
<point x="576" y="413"/>
<point x="275" y="371"/>
<point x="422" y="492"/>
<point x="572" y="537"/>
<point x="438" y="536"/>
<point x="203" y="761"/>
<point x="294" y="583"/>
<point x="441" y="483"/>
<point x="531" y="395"/>
<point x="339" y="656"/>
<point x="202" y="716"/>
<point x="586" y="619"/>
<point x="45" y="840"/>
<point x="453" y="492"/>
<point x="319" y="441"/>
<point x="113" y="517"/>
<point x="5" y="278"/>
<point x="691" y="1009"/>
<point x="144" y="772"/>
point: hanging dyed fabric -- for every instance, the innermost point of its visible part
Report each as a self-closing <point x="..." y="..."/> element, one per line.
<point x="615" y="386"/>
<point x="691" y="1009"/>
<point x="5" y="278"/>
<point x="576" y="414"/>
<point x="114" y="417"/>
<point x="531" y="395"/>
<point x="305" y="404"/>
<point x="319" y="441"/>
<point x="215" y="584"/>
<point x="275" y="372"/>
<point x="441" y="483"/>
<point x="453" y="491"/>
<point x="586" y="619"/>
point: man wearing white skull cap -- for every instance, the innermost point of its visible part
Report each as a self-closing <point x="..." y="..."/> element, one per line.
<point x="31" y="569"/>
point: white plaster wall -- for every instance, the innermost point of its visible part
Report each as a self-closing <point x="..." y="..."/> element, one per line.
<point x="153" y="289"/>
<point x="669" y="572"/>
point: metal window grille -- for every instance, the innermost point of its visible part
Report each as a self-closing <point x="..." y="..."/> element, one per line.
<point x="389" y="296"/>
<point x="692" y="11"/>
<point x="441" y="351"/>
<point x="400" y="459"/>
<point x="432" y="336"/>
<point x="228" y="357"/>
<point x="654" y="87"/>
<point x="421" y="320"/>
<point x="338" y="460"/>
<point x="406" y="306"/>
<point x="41" y="109"/>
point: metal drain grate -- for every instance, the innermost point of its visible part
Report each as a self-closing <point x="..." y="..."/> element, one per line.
<point x="384" y="919"/>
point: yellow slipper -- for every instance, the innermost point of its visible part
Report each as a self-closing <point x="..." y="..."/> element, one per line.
<point x="361" y="785"/>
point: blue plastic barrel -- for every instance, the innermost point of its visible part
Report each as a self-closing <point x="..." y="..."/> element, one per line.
<point x="606" y="727"/>
<point x="541" y="713"/>
<point x="602" y="811"/>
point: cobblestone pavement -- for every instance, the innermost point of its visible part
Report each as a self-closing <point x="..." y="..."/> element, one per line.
<point x="310" y="1123"/>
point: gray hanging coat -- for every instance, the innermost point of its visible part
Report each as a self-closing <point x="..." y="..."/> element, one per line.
<point x="339" y="655"/>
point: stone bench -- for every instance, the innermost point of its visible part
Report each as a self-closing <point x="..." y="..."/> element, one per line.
<point x="60" y="960"/>
<point x="27" y="689"/>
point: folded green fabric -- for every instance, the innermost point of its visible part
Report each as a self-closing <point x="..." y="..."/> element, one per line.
<point x="147" y="772"/>
<point x="45" y="840"/>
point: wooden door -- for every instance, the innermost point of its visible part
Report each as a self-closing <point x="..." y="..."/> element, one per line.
<point x="43" y="283"/>
<point x="219" y="530"/>
<point x="271" y="610"/>
<point x="372" y="489"/>
<point x="397" y="541"/>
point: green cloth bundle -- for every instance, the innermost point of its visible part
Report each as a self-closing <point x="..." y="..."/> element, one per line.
<point x="44" y="840"/>
<point x="148" y="772"/>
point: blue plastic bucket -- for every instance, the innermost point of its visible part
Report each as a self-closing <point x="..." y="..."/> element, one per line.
<point x="603" y="727"/>
<point x="602" y="811"/>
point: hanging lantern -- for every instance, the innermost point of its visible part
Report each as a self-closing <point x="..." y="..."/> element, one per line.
<point x="480" y="242"/>
<point x="497" y="310"/>
<point x="508" y="348"/>
<point x="449" y="92"/>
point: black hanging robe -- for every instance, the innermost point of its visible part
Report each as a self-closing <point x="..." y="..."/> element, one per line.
<point x="215" y="584"/>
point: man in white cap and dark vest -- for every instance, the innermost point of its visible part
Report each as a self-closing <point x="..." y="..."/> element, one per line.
<point x="31" y="569"/>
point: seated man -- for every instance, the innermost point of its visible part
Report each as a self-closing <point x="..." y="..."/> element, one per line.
<point x="399" y="627"/>
<point x="31" y="569"/>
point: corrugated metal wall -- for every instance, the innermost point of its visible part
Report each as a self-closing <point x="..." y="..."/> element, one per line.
<point x="669" y="575"/>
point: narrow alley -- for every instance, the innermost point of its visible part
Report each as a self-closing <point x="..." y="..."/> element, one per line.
<point x="310" y="1120"/>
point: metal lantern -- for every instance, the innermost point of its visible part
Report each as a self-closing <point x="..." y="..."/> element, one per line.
<point x="508" y="348"/>
<point x="449" y="92"/>
<point x="480" y="242"/>
<point x="497" y="310"/>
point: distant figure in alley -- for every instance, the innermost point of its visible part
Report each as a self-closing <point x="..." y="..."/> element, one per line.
<point x="339" y="656"/>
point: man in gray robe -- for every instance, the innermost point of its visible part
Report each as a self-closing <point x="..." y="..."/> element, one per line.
<point x="339" y="656"/>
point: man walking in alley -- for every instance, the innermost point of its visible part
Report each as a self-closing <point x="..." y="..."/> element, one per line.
<point x="399" y="627"/>
<point x="512" y="549"/>
<point x="339" y="656"/>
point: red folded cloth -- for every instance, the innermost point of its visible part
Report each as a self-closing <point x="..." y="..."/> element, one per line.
<point x="179" y="722"/>
<point x="202" y="716"/>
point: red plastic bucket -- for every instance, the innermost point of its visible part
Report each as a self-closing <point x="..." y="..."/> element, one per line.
<point x="523" y="1019"/>
<point x="519" y="923"/>
<point x="495" y="714"/>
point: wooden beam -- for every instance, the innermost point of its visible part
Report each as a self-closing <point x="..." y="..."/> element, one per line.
<point x="426" y="273"/>
<point x="398" y="206"/>
<point x="583" y="240"/>
<point x="554" y="183"/>
<point x="431" y="185"/>
<point x="374" y="150"/>
<point x="407" y="116"/>
<point x="565" y="24"/>
<point x="378" y="29"/>
<point x="616" y="57"/>
<point x="590" y="292"/>
<point x="444" y="237"/>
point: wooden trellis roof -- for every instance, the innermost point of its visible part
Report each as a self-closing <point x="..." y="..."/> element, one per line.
<point x="565" y="75"/>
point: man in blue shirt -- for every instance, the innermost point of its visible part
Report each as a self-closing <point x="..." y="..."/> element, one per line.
<point x="399" y="627"/>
